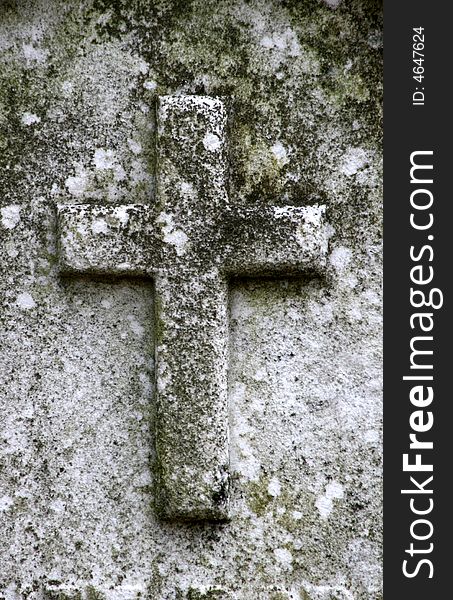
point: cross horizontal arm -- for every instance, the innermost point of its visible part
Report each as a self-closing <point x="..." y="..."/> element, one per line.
<point x="274" y="240"/>
<point x="110" y="240"/>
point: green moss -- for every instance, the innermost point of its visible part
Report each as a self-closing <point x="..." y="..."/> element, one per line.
<point x="211" y="594"/>
<point x="258" y="498"/>
<point x="203" y="48"/>
<point x="59" y="595"/>
<point x="92" y="594"/>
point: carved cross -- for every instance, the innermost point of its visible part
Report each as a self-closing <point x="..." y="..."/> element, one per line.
<point x="191" y="243"/>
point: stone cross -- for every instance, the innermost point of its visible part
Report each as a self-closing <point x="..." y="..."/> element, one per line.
<point x="191" y="243"/>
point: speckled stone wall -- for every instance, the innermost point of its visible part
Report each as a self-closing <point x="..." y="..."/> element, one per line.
<point x="78" y="86"/>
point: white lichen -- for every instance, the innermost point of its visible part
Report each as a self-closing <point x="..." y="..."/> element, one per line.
<point x="212" y="142"/>
<point x="280" y="153"/>
<point x="78" y="184"/>
<point x="121" y="213"/>
<point x="134" y="146"/>
<point x="324" y="503"/>
<point x="99" y="226"/>
<point x="34" y="55"/>
<point x="284" y="557"/>
<point x="353" y="161"/>
<point x="5" y="503"/>
<point x="172" y="235"/>
<point x="104" y="159"/>
<point x="340" y="258"/>
<point x="10" y="216"/>
<point x="333" y="3"/>
<point x="25" y="301"/>
<point x="274" y="488"/>
<point x="29" y="118"/>
<point x="150" y="85"/>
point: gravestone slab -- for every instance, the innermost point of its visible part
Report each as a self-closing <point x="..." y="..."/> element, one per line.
<point x="206" y="172"/>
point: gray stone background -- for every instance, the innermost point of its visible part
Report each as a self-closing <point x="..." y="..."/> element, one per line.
<point x="78" y="82"/>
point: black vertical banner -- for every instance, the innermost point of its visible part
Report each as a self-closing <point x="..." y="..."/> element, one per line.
<point x="418" y="269"/>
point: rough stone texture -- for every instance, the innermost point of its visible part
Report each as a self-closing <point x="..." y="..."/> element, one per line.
<point x="78" y="87"/>
<point x="192" y="243"/>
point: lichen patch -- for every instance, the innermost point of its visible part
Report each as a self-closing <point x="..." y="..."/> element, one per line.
<point x="29" y="118"/>
<point x="325" y="503"/>
<point x="10" y="216"/>
<point x="25" y="301"/>
<point x="172" y="235"/>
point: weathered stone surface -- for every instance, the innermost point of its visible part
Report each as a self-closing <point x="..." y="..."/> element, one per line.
<point x="78" y="87"/>
<point x="191" y="244"/>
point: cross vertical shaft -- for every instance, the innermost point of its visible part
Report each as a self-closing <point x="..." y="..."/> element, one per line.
<point x="191" y="311"/>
